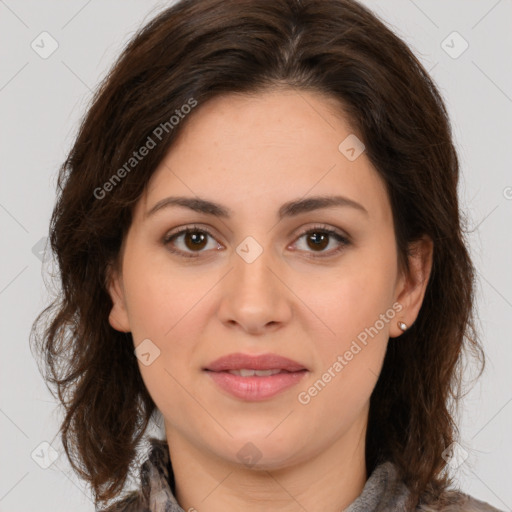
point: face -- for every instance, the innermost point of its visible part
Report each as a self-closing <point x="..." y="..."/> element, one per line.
<point x="317" y="284"/>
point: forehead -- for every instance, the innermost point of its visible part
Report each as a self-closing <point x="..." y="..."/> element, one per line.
<point x="265" y="149"/>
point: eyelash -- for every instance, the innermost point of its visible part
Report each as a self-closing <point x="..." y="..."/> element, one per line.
<point x="343" y="241"/>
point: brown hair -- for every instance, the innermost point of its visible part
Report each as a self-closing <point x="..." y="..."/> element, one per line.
<point x="199" y="49"/>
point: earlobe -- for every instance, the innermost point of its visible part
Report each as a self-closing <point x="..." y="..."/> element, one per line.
<point x="118" y="317"/>
<point x="411" y="289"/>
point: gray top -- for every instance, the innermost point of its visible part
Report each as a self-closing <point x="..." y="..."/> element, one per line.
<point x="383" y="491"/>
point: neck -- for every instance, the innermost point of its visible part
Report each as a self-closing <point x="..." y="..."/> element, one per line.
<point x="329" y="481"/>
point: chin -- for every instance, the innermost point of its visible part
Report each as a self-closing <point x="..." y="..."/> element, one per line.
<point x="262" y="453"/>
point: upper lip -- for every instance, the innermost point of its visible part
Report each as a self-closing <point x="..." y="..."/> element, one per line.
<point x="239" y="361"/>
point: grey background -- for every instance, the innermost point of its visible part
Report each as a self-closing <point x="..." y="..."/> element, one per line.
<point x="41" y="102"/>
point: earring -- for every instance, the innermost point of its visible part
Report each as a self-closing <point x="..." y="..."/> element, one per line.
<point x="402" y="326"/>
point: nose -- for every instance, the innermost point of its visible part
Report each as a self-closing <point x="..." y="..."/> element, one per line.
<point x="254" y="296"/>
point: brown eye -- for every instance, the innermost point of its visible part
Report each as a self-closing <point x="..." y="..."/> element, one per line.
<point x="190" y="242"/>
<point x="194" y="240"/>
<point x="319" y="238"/>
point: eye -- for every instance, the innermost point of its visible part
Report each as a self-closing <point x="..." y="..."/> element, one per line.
<point x="319" y="237"/>
<point x="194" y="239"/>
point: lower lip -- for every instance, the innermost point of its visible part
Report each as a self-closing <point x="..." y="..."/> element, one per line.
<point x="256" y="388"/>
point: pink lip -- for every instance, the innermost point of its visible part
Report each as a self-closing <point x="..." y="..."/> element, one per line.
<point x="239" y="361"/>
<point x="255" y="388"/>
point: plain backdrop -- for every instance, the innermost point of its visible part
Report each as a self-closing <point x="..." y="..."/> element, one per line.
<point x="41" y="103"/>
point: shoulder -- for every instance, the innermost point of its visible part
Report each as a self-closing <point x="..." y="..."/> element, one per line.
<point x="453" y="500"/>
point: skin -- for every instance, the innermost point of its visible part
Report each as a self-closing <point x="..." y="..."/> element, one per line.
<point x="252" y="154"/>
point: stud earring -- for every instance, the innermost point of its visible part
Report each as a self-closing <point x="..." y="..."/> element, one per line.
<point x="402" y="326"/>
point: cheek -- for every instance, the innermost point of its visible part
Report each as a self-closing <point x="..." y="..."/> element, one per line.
<point x="356" y="309"/>
<point x="166" y="305"/>
<point x="352" y="300"/>
<point x="160" y="297"/>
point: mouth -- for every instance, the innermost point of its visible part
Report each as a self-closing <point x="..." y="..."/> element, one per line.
<point x="255" y="378"/>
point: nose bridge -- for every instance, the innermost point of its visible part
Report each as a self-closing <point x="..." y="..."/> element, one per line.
<point x="254" y="296"/>
<point x="252" y="267"/>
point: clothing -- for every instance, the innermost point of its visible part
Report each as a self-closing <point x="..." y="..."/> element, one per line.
<point x="383" y="491"/>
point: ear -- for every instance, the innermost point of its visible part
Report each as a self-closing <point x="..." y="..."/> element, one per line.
<point x="118" y="317"/>
<point x="410" y="289"/>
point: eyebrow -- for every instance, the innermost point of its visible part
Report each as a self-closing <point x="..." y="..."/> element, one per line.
<point x="289" y="209"/>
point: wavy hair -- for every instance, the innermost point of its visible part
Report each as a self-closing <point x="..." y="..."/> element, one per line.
<point x="201" y="49"/>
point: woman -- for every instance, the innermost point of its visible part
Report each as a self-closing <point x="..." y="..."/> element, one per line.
<point x="259" y="238"/>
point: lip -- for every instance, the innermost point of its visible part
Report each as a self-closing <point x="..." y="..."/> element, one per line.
<point x="255" y="388"/>
<point x="238" y="361"/>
